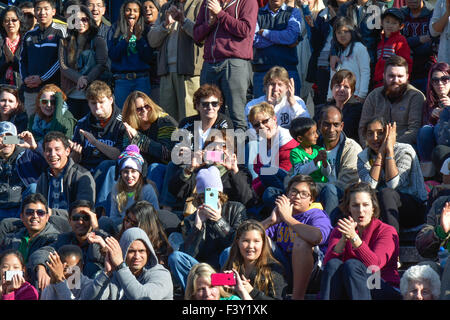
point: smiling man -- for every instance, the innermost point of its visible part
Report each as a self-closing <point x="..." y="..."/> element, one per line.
<point x="83" y="221"/>
<point x="98" y="9"/>
<point x="64" y="181"/>
<point x="397" y="101"/>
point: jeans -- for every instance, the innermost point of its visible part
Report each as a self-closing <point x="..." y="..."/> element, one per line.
<point x="251" y="152"/>
<point x="156" y="173"/>
<point x="349" y="280"/>
<point x="167" y="198"/>
<point x="276" y="180"/>
<point x="104" y="176"/>
<point x="426" y="141"/>
<point x="180" y="264"/>
<point x="123" y="87"/>
<point x="233" y="77"/>
<point x="258" y="83"/>
<point x="329" y="196"/>
<point x="270" y="195"/>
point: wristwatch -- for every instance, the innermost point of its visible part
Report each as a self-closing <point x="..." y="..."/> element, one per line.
<point x="121" y="266"/>
<point x="353" y="240"/>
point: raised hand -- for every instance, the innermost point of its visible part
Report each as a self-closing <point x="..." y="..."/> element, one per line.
<point x="56" y="268"/>
<point x="445" y="217"/>
<point x="284" y="208"/>
<point x="347" y="227"/>
<point x="115" y="252"/>
<point x="291" y="92"/>
<point x="214" y="6"/>
<point x="28" y="140"/>
<point x="131" y="132"/>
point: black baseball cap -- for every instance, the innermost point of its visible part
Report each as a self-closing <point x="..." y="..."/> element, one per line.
<point x="395" y="12"/>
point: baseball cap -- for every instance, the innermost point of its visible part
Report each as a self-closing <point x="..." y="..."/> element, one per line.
<point x="8" y="127"/>
<point x="395" y="12"/>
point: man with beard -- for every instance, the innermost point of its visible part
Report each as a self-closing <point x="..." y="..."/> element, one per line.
<point x="397" y="101"/>
<point x="279" y="91"/>
<point x="83" y="221"/>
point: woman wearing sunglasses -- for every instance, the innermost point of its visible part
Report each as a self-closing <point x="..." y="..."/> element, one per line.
<point x="12" y="29"/>
<point x="207" y="101"/>
<point x="434" y="130"/>
<point x="150" y="128"/>
<point x="83" y="56"/>
<point x="52" y="114"/>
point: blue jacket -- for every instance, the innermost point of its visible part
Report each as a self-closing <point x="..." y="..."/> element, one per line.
<point x="16" y="173"/>
<point x="122" y="60"/>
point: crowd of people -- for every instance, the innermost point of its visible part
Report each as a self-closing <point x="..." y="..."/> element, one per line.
<point x="224" y="150"/>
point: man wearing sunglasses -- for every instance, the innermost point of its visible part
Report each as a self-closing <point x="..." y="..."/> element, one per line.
<point x="36" y="233"/>
<point x="83" y="221"/>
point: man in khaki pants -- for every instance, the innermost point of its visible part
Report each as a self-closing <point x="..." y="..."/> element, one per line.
<point x="180" y="59"/>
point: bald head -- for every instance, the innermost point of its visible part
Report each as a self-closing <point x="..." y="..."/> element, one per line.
<point x="331" y="126"/>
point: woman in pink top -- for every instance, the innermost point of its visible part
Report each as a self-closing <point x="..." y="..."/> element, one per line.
<point x="359" y="246"/>
<point x="16" y="288"/>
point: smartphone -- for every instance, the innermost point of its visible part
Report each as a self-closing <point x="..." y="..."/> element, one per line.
<point x="212" y="198"/>
<point x="12" y="140"/>
<point x="223" y="279"/>
<point x="11" y="273"/>
<point x="214" y="156"/>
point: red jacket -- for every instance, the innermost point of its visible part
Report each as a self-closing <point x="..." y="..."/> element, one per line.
<point x="396" y="44"/>
<point x="232" y="34"/>
<point x="380" y="247"/>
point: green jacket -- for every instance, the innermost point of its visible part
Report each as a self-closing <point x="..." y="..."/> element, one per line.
<point x="62" y="121"/>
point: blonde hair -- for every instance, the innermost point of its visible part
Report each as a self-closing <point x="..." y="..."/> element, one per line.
<point x="121" y="198"/>
<point x="129" y="114"/>
<point x="262" y="107"/>
<point x="200" y="270"/>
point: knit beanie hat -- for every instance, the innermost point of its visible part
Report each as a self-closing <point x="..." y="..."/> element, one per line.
<point x="209" y="178"/>
<point x="130" y="158"/>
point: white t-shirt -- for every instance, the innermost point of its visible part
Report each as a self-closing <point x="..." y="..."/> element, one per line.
<point x="445" y="169"/>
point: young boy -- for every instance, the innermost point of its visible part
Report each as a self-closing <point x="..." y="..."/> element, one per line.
<point x="307" y="158"/>
<point x="391" y="43"/>
<point x="67" y="279"/>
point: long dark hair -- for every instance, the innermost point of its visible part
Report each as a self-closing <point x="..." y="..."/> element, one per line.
<point x="345" y="22"/>
<point x="263" y="280"/>
<point x="20" y="16"/>
<point x="432" y="98"/>
<point x="148" y="220"/>
<point x="122" y="25"/>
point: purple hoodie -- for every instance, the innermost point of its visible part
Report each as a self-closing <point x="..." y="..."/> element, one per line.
<point x="231" y="36"/>
<point x="282" y="234"/>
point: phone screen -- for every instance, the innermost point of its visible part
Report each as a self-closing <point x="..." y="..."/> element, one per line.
<point x="212" y="197"/>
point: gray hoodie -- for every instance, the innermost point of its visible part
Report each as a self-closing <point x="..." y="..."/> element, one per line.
<point x="154" y="283"/>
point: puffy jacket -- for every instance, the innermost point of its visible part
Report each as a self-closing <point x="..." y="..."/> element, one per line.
<point x="209" y="242"/>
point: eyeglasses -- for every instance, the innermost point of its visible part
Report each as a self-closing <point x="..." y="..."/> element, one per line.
<point x="78" y="217"/>
<point x="302" y="194"/>
<point x="94" y="5"/>
<point x="10" y="20"/>
<point x="443" y="79"/>
<point x="40" y="212"/>
<point x="140" y="109"/>
<point x="47" y="102"/>
<point x="258" y="124"/>
<point x="206" y="104"/>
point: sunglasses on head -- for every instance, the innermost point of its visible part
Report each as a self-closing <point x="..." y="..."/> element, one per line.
<point x="206" y="104"/>
<point x="40" y="212"/>
<point x="140" y="109"/>
<point x="48" y="101"/>
<point x="443" y="79"/>
<point x="78" y="217"/>
<point x="257" y="125"/>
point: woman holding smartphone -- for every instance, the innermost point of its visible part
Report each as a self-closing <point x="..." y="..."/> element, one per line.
<point x="16" y="287"/>
<point x="199" y="286"/>
<point x="251" y="256"/>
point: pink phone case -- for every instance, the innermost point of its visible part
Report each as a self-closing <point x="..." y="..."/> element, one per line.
<point x="214" y="156"/>
<point x="223" y="279"/>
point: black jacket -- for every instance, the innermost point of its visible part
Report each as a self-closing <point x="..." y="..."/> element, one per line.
<point x="237" y="186"/>
<point x="209" y="242"/>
